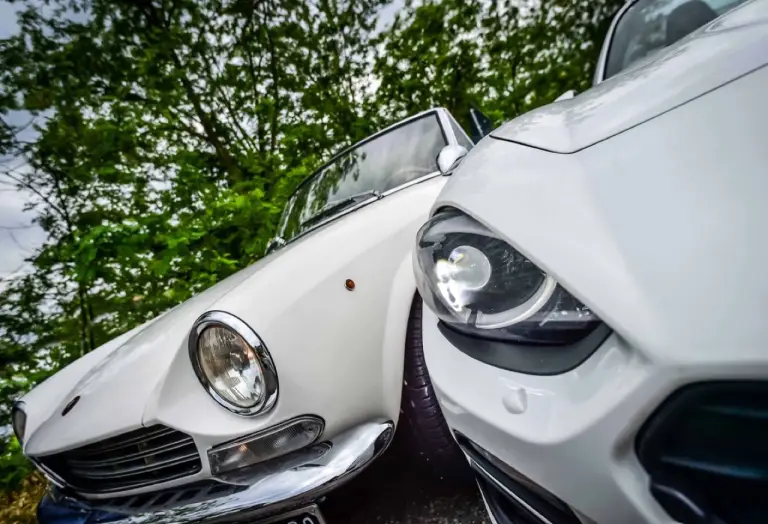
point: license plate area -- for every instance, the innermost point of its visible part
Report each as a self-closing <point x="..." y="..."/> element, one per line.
<point x="307" y="515"/>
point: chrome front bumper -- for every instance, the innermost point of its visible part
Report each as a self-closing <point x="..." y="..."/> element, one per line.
<point x="272" y="487"/>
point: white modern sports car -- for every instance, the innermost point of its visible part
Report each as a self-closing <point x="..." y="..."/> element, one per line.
<point x="259" y="395"/>
<point x="594" y="271"/>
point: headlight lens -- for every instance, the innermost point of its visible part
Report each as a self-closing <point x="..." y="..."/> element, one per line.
<point x="19" y="421"/>
<point x="477" y="283"/>
<point x="233" y="363"/>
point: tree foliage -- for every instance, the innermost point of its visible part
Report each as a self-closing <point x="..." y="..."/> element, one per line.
<point x="167" y="135"/>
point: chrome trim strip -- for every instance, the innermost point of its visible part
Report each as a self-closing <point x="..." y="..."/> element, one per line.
<point x="95" y="449"/>
<point x="133" y="456"/>
<point x="222" y="318"/>
<point x="364" y="203"/>
<point x="337" y="216"/>
<point x="445" y="123"/>
<point x="138" y="470"/>
<point x="129" y="485"/>
<point x="369" y="138"/>
<point x="450" y="138"/>
<point x="279" y="485"/>
<point x="52" y="477"/>
<point x="411" y="183"/>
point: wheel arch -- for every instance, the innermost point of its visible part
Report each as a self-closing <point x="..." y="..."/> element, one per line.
<point x="393" y="346"/>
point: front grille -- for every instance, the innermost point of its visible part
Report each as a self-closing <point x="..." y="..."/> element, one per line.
<point x="140" y="458"/>
<point x="706" y="453"/>
<point x="512" y="497"/>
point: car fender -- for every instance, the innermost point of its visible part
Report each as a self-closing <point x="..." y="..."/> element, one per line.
<point x="393" y="343"/>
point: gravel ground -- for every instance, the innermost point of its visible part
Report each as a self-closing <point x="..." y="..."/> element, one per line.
<point x="398" y="490"/>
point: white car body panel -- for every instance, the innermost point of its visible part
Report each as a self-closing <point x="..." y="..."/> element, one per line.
<point x="729" y="47"/>
<point x="658" y="229"/>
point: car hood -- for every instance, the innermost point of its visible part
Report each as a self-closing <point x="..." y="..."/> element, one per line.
<point x="727" y="48"/>
<point x="123" y="375"/>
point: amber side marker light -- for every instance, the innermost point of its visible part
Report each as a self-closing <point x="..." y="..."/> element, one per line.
<point x="350" y="284"/>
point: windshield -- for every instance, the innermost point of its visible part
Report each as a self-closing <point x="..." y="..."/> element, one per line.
<point x="387" y="161"/>
<point x="650" y="25"/>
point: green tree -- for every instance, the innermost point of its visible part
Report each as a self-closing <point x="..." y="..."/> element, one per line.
<point x="167" y="135"/>
<point x="504" y="57"/>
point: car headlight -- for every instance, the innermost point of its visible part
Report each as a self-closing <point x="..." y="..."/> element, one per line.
<point x="233" y="364"/>
<point x="481" y="287"/>
<point x="19" y="420"/>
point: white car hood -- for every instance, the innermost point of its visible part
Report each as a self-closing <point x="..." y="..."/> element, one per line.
<point x="729" y="47"/>
<point x="128" y="375"/>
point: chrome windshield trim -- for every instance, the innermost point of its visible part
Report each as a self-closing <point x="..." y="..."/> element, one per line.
<point x="437" y="111"/>
<point x="449" y="137"/>
<point x="336" y="216"/>
<point x="411" y="183"/>
<point x="365" y="203"/>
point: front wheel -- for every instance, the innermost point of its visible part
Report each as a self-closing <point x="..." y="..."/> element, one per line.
<point x="422" y="424"/>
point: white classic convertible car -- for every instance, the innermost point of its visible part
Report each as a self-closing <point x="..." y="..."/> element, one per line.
<point x="594" y="271"/>
<point x="262" y="393"/>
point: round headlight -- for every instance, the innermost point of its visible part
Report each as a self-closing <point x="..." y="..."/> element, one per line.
<point x="233" y="364"/>
<point x="19" y="420"/>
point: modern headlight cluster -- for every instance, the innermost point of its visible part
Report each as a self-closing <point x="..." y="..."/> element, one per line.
<point x="481" y="287"/>
<point x="233" y="364"/>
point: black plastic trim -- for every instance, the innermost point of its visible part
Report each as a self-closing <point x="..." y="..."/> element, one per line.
<point x="529" y="359"/>
<point x="695" y="446"/>
<point x="510" y="499"/>
<point x="503" y="509"/>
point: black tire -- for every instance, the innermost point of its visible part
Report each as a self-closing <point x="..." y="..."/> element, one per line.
<point x="424" y="431"/>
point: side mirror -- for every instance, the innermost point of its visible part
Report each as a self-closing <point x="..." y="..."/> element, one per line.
<point x="449" y="157"/>
<point x="274" y="244"/>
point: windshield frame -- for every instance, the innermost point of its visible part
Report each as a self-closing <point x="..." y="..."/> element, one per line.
<point x="449" y="135"/>
<point x="602" y="61"/>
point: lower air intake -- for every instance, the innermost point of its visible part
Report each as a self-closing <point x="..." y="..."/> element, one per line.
<point x="706" y="452"/>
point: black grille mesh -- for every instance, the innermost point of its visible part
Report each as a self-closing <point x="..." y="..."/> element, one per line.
<point x="706" y="452"/>
<point x="136" y="459"/>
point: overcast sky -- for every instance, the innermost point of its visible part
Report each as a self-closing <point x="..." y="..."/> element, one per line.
<point x="19" y="238"/>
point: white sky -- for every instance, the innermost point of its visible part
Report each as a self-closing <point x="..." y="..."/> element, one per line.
<point x="18" y="237"/>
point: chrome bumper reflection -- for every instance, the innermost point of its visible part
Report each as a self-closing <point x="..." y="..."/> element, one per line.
<point x="281" y="484"/>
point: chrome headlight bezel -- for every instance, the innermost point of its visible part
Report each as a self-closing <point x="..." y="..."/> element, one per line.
<point x="232" y="323"/>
